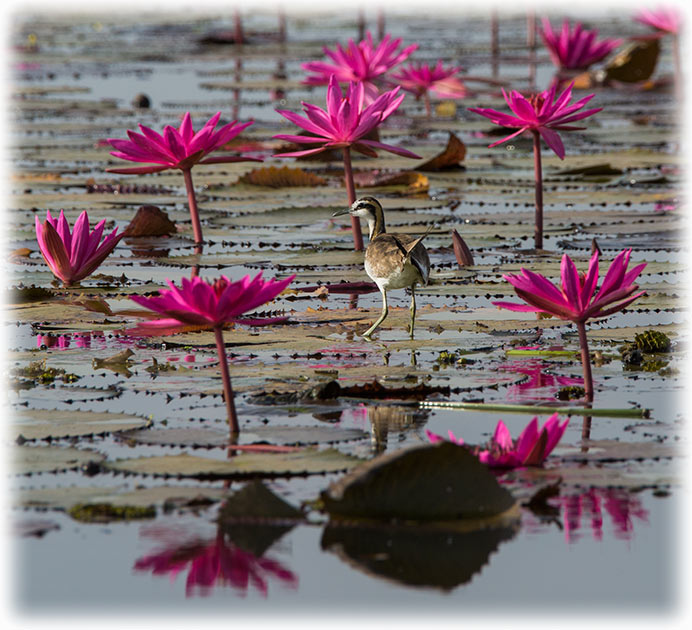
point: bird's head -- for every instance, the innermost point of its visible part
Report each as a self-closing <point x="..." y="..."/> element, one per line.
<point x="365" y="207"/>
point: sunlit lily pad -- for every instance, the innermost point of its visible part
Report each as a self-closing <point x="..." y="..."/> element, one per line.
<point x="244" y="465"/>
<point x="42" y="459"/>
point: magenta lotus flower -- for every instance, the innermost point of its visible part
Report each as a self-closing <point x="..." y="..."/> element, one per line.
<point x="359" y="63"/>
<point x="345" y="124"/>
<point x="210" y="305"/>
<point x="578" y="300"/>
<point x="421" y="79"/>
<point x="666" y="19"/>
<point x="543" y="115"/>
<point x="575" y="49"/>
<point x="531" y="449"/>
<point x="214" y="563"/>
<point x="179" y="148"/>
<point x="72" y="256"/>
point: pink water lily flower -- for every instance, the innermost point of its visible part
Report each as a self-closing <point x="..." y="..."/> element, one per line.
<point x="575" y="49"/>
<point x="210" y="305"/>
<point x="578" y="300"/>
<point x="73" y="255"/>
<point x="531" y="448"/>
<point x="667" y="19"/>
<point x="359" y="63"/>
<point x="344" y="125"/>
<point x="179" y="148"/>
<point x="420" y="79"/>
<point x="543" y="115"/>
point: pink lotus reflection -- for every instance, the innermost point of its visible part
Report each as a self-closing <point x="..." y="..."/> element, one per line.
<point x="62" y="342"/>
<point x="216" y="563"/>
<point x="538" y="378"/>
<point x="587" y="509"/>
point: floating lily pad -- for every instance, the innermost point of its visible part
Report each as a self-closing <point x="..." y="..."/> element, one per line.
<point x="244" y="465"/>
<point x="42" y="459"/>
<point x="40" y="424"/>
<point x="286" y="435"/>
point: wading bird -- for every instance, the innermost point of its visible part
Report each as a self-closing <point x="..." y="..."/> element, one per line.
<point x="392" y="261"/>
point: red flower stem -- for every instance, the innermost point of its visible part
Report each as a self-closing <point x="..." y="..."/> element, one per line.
<point x="585" y="361"/>
<point x="226" y="378"/>
<point x="538" y="172"/>
<point x="351" y="192"/>
<point x="676" y="64"/>
<point x="192" y="203"/>
<point x="428" y="106"/>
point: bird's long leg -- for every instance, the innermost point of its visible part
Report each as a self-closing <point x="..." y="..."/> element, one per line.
<point x="381" y="318"/>
<point x="413" y="310"/>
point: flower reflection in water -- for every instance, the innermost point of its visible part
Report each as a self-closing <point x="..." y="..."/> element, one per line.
<point x="538" y="379"/>
<point x="576" y="513"/>
<point x="588" y="508"/>
<point x="62" y="342"/>
<point x="216" y="562"/>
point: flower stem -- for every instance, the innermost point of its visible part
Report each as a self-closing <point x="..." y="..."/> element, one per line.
<point x="351" y="192"/>
<point x="538" y="172"/>
<point x="428" y="106"/>
<point x="225" y="377"/>
<point x="192" y="203"/>
<point x="585" y="361"/>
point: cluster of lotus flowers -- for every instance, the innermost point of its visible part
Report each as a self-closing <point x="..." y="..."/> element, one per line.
<point x="348" y="122"/>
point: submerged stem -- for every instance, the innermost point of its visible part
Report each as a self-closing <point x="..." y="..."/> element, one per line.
<point x="538" y="172"/>
<point x="351" y="192"/>
<point x="192" y="204"/>
<point x="226" y="378"/>
<point x="585" y="361"/>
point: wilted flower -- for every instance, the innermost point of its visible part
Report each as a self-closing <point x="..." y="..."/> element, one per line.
<point x="210" y="305"/>
<point x="531" y="449"/>
<point x="345" y="124"/>
<point x="543" y="115"/>
<point x="360" y="63"/>
<point x="578" y="300"/>
<point x="575" y="49"/>
<point x="72" y="256"/>
<point x="180" y="148"/>
<point x="666" y="19"/>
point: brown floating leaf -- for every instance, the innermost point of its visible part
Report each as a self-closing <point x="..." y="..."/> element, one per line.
<point x="432" y="482"/>
<point x="150" y="221"/>
<point x="636" y="63"/>
<point x="451" y="157"/>
<point x="461" y="250"/>
<point x="415" y="182"/>
<point x="281" y="177"/>
<point x="375" y="389"/>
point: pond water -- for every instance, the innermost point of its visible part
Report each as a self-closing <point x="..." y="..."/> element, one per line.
<point x="604" y="541"/>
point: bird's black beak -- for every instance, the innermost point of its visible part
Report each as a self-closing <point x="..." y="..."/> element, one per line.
<point x="338" y="213"/>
